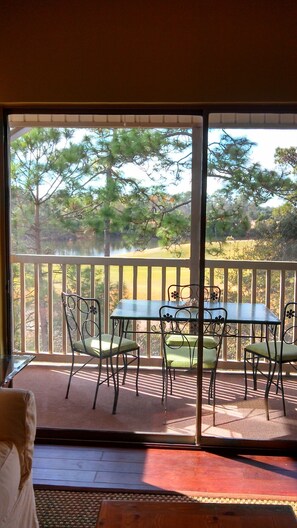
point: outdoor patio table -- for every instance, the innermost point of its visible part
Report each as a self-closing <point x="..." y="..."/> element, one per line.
<point x="239" y="313"/>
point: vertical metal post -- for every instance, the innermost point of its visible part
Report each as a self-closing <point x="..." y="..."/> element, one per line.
<point x="198" y="239"/>
<point x="196" y="203"/>
<point x="5" y="271"/>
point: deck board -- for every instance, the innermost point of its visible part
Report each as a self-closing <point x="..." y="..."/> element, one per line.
<point x="163" y="469"/>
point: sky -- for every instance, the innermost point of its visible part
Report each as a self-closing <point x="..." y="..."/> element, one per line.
<point x="267" y="141"/>
<point x="263" y="152"/>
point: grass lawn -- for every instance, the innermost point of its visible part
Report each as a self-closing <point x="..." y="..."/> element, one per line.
<point x="233" y="249"/>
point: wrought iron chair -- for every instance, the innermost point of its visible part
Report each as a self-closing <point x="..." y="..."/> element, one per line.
<point x="83" y="319"/>
<point x="190" y="293"/>
<point x="179" y="329"/>
<point x="274" y="354"/>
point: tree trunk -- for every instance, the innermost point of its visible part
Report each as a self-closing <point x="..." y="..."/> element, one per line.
<point x="42" y="284"/>
<point x="37" y="233"/>
<point x="107" y="237"/>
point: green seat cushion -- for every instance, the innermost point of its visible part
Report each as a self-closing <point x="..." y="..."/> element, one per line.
<point x="289" y="351"/>
<point x="177" y="340"/>
<point x="209" y="358"/>
<point x="180" y="357"/>
<point x="92" y="346"/>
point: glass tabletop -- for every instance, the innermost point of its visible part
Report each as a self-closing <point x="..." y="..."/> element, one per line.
<point x="11" y="365"/>
<point x="249" y="313"/>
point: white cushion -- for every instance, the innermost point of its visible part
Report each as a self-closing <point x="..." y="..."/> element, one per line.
<point x="18" y="425"/>
<point x="10" y="475"/>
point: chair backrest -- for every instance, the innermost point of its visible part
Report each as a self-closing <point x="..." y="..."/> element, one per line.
<point x="83" y="318"/>
<point x="188" y="292"/>
<point x="183" y="321"/>
<point x="289" y="323"/>
<point x="215" y="320"/>
<point x="178" y="320"/>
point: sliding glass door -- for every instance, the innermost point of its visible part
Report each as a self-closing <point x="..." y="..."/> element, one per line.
<point x="122" y="206"/>
<point x="251" y="253"/>
<point x="105" y="207"/>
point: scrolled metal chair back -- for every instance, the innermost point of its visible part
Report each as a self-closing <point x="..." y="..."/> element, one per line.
<point x="215" y="321"/>
<point x="180" y="321"/>
<point x="289" y="324"/>
<point x="189" y="293"/>
<point x="83" y="316"/>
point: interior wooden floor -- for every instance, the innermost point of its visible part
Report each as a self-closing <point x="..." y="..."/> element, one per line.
<point x="166" y="470"/>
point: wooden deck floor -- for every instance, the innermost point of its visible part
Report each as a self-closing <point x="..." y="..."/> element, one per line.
<point x="172" y="470"/>
<point x="236" y="418"/>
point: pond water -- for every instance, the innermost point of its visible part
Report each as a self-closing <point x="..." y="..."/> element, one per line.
<point x="93" y="247"/>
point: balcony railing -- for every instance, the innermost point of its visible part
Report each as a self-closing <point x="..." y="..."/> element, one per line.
<point x="38" y="322"/>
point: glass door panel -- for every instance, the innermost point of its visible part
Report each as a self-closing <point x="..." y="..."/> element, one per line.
<point x="102" y="206"/>
<point x="251" y="253"/>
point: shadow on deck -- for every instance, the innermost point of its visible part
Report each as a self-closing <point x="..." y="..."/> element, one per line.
<point x="235" y="417"/>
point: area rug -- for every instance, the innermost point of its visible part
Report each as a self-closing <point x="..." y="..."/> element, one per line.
<point x="79" y="509"/>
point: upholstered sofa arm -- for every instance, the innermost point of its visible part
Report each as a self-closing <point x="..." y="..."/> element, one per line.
<point x="18" y="425"/>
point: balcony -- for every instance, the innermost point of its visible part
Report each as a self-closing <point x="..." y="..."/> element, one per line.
<point x="39" y="328"/>
<point x="39" y="279"/>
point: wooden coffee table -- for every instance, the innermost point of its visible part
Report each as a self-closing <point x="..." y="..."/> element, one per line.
<point x="125" y="514"/>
